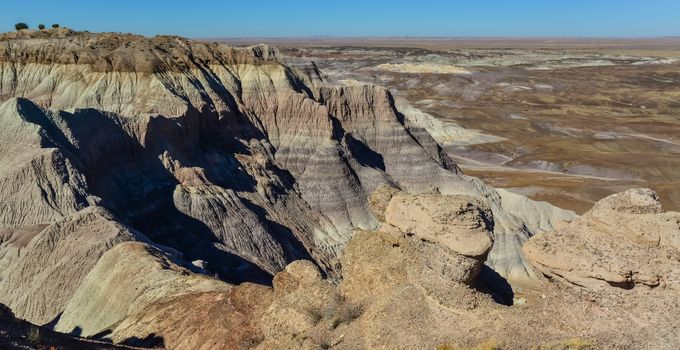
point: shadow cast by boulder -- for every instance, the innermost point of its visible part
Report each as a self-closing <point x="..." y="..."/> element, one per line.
<point x="497" y="286"/>
<point x="150" y="341"/>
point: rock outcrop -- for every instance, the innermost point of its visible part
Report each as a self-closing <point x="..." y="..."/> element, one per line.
<point x="459" y="223"/>
<point x="128" y="278"/>
<point x="401" y="289"/>
<point x="391" y="279"/>
<point x="225" y="155"/>
<point x="624" y="241"/>
<point x="413" y="283"/>
<point x="44" y="265"/>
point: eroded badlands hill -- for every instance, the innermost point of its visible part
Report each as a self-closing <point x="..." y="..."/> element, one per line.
<point x="226" y="155"/>
<point x="146" y="182"/>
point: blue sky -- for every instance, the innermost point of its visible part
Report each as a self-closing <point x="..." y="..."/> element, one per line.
<point x="279" y="18"/>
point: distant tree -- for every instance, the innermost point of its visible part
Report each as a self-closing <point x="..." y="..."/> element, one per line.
<point x="55" y="26"/>
<point x="20" y="26"/>
<point x="41" y="26"/>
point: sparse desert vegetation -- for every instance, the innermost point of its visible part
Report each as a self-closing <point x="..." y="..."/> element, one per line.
<point x="338" y="311"/>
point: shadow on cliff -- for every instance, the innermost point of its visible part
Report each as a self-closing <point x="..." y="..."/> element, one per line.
<point x="129" y="176"/>
<point x="364" y="154"/>
<point x="293" y="248"/>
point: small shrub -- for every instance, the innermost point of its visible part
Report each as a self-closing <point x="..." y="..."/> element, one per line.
<point x="20" y="26"/>
<point x="338" y="311"/>
<point x="315" y="314"/>
<point x="345" y="311"/>
<point x="575" y="344"/>
<point x="488" y="345"/>
<point x="41" y="26"/>
<point x="34" y="334"/>
<point x="322" y="338"/>
<point x="55" y="26"/>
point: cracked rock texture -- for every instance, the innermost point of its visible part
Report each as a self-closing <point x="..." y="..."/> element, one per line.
<point x="625" y="241"/>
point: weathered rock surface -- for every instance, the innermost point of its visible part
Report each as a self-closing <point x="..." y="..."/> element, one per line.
<point x="457" y="222"/>
<point x="140" y="295"/>
<point x="19" y="334"/>
<point x="625" y="241"/>
<point x="398" y="290"/>
<point x="39" y="184"/>
<point x="223" y="154"/>
<point x="445" y="133"/>
<point x="209" y="320"/>
<point x="44" y="265"/>
<point x="388" y="276"/>
<point x="128" y="278"/>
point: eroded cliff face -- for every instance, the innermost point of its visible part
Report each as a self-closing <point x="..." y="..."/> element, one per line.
<point x="227" y="156"/>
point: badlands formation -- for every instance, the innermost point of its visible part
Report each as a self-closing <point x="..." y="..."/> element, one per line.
<point x="567" y="121"/>
<point x="163" y="192"/>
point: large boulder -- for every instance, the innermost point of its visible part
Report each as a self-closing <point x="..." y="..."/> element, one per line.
<point x="624" y="241"/>
<point x="424" y="259"/>
<point x="460" y="223"/>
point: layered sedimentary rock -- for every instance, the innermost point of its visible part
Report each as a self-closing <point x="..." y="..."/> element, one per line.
<point x="445" y="133"/>
<point x="189" y="311"/>
<point x="147" y="275"/>
<point x="38" y="182"/>
<point x="225" y="155"/>
<point x="42" y="266"/>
